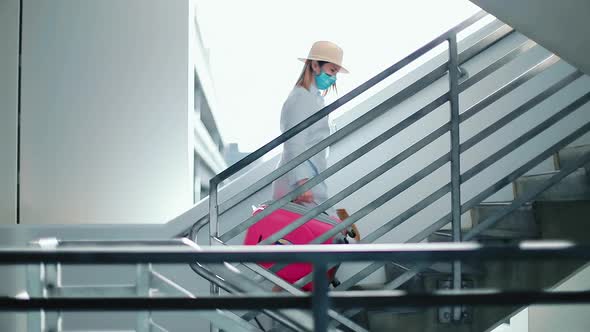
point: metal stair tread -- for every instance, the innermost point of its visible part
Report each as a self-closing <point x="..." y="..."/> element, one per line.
<point x="500" y="203"/>
<point x="496" y="234"/>
<point x="569" y="154"/>
<point x="575" y="185"/>
<point x="544" y="174"/>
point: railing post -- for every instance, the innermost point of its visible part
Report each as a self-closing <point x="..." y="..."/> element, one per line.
<point x="455" y="161"/>
<point x="51" y="285"/>
<point x="213" y="231"/>
<point x="35" y="290"/>
<point x="142" y="285"/>
<point x="320" y="298"/>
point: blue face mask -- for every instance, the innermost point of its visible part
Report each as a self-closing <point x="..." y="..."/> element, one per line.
<point x="323" y="81"/>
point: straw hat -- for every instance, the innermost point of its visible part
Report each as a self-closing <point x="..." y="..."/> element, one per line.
<point x="326" y="51"/>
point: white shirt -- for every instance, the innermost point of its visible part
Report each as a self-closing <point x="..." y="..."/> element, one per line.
<point x="300" y="105"/>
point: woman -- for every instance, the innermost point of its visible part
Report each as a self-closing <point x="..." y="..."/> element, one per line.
<point x="318" y="76"/>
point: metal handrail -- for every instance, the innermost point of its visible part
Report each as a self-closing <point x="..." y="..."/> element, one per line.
<point x="391" y="132"/>
<point x="51" y="280"/>
<point x="474" y="171"/>
<point x="483" y="195"/>
<point x="486" y="224"/>
<point x="223" y="284"/>
<point x="317" y="255"/>
<point x="214" y="183"/>
<point x="344" y="99"/>
<point x="366" y="299"/>
<point x="455" y="87"/>
<point x="418" y="176"/>
<point x="437" y="73"/>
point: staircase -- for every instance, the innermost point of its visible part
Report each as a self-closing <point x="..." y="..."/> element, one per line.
<point x="554" y="214"/>
<point x="512" y="158"/>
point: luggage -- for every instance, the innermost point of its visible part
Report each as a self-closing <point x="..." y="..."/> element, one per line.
<point x="301" y="235"/>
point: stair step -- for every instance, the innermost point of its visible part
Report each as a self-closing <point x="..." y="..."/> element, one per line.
<point x="569" y="155"/>
<point x="564" y="220"/>
<point x="519" y="224"/>
<point x="447" y="269"/>
<point x="573" y="187"/>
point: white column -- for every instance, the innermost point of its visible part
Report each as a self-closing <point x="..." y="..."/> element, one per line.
<point x="107" y="102"/>
<point x="9" y="42"/>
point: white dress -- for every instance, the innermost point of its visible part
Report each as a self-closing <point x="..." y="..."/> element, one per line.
<point x="300" y="105"/>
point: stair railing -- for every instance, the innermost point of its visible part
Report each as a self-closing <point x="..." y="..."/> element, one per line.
<point x="457" y="84"/>
<point x="320" y="301"/>
<point x="44" y="280"/>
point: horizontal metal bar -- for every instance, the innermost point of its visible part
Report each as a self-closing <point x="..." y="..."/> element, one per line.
<point x="296" y="291"/>
<point x="227" y="320"/>
<point x="569" y="109"/>
<point x="384" y="198"/>
<point x="90" y="291"/>
<point x="485" y="43"/>
<point x="300" y="253"/>
<point x="492" y="297"/>
<point x="508" y="57"/>
<point x="168" y="286"/>
<point x="223" y="284"/>
<point x="501" y="62"/>
<point x="525" y="168"/>
<point x="156" y="327"/>
<point x="509" y="87"/>
<point x="337" y="166"/>
<point x="375" y="204"/>
<point x="343" y="100"/>
<point x="387" y="227"/>
<point x="369" y="116"/>
<point x="404" y="94"/>
<point x="362" y="182"/>
<point x="210" y="276"/>
<point x="359" y="276"/>
<point x="394" y="284"/>
<point x="114" y="243"/>
<point x="488" y="192"/>
<point x="536" y="100"/>
<point x="405" y="277"/>
<point x="350" y="299"/>
<point x="400" y="280"/>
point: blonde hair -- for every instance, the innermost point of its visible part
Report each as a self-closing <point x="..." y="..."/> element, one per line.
<point x="306" y="78"/>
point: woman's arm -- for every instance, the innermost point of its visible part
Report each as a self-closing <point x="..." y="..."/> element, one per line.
<point x="297" y="109"/>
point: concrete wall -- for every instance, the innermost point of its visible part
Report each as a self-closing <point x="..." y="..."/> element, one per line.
<point x="107" y="102"/>
<point x="9" y="48"/>
<point x="560" y="26"/>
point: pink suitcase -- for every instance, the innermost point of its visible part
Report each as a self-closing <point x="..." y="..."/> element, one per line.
<point x="301" y="235"/>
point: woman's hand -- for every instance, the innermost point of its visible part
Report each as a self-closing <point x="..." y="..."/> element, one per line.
<point x="306" y="197"/>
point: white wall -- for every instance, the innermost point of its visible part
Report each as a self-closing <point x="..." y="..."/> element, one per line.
<point x="9" y="42"/>
<point x="571" y="318"/>
<point x="9" y="31"/>
<point x="9" y="47"/>
<point x="107" y="102"/>
<point x="517" y="323"/>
